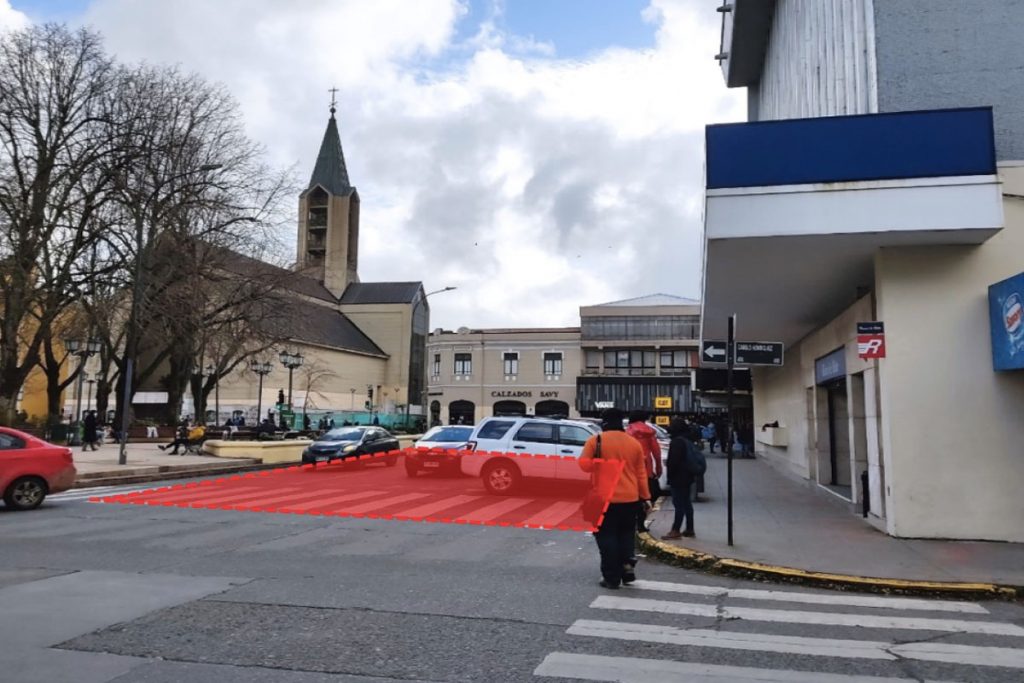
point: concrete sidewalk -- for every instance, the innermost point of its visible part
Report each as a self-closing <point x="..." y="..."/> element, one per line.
<point x="146" y="462"/>
<point x="785" y="522"/>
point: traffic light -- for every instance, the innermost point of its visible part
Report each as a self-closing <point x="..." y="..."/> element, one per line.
<point x="369" y="391"/>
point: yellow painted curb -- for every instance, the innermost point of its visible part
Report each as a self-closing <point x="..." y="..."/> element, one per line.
<point x="713" y="564"/>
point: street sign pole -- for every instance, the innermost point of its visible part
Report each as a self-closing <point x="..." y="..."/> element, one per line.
<point x="727" y="437"/>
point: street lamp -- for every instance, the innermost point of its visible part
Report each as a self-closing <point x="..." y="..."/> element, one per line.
<point x="412" y="324"/>
<point x="291" y="361"/>
<point x="211" y="371"/>
<point x="133" y="313"/>
<point x="83" y="350"/>
<point x="262" y="369"/>
<point x="90" y="380"/>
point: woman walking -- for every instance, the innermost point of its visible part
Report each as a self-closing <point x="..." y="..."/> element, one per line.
<point x="616" y="534"/>
<point x="682" y="466"/>
<point x="90" y="431"/>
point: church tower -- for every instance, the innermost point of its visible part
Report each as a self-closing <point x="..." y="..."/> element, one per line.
<point x="328" y="243"/>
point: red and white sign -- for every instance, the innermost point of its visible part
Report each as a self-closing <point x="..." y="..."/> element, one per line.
<point x="871" y="340"/>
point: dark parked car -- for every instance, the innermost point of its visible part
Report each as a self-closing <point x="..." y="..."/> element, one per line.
<point x="351" y="442"/>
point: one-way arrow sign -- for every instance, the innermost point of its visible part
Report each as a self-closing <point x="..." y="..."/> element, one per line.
<point x="713" y="351"/>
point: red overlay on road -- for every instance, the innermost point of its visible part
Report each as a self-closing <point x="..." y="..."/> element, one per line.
<point x="367" y="487"/>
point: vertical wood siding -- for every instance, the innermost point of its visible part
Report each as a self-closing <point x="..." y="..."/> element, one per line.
<point x="819" y="61"/>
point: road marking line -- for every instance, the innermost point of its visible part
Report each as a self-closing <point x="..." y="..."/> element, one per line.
<point x="962" y="654"/>
<point x="215" y="501"/>
<point x="385" y="502"/>
<point x="554" y="514"/>
<point x="798" y="617"/>
<point x="814" y="598"/>
<point x="758" y="642"/>
<point x="184" y="496"/>
<point x="261" y="504"/>
<point x="321" y="502"/>
<point x="495" y="510"/>
<point x="436" y="506"/>
<point x="799" y="645"/>
<point x="589" y="667"/>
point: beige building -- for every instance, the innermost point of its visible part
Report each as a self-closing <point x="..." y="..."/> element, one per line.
<point x="474" y="374"/>
<point x="624" y="354"/>
<point x="637" y="350"/>
<point x="362" y="342"/>
<point x="873" y="221"/>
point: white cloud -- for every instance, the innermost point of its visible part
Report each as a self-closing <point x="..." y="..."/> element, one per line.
<point x="532" y="183"/>
<point x="10" y="18"/>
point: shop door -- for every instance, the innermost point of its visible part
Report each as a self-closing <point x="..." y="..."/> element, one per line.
<point x="839" y="437"/>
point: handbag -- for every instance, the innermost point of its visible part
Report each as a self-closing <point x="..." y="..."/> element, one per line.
<point x="592" y="507"/>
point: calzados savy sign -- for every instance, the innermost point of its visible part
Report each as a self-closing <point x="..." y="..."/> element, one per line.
<point x="523" y="394"/>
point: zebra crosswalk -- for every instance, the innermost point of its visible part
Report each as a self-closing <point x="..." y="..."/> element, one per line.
<point x="711" y="633"/>
<point x="85" y="494"/>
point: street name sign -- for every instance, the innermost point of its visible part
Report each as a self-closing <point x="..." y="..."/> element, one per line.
<point x="759" y="353"/>
<point x="713" y="351"/>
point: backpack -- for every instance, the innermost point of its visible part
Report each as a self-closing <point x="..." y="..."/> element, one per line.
<point x="696" y="464"/>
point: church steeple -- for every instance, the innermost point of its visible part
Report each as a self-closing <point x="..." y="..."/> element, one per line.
<point x="330" y="171"/>
<point x="328" y="240"/>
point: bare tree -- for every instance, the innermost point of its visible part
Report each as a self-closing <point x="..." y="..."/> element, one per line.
<point x="57" y="158"/>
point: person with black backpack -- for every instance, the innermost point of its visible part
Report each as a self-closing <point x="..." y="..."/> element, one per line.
<point x="685" y="463"/>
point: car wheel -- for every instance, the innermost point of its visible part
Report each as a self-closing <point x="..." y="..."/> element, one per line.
<point x="411" y="470"/>
<point x="501" y="478"/>
<point x="26" y="493"/>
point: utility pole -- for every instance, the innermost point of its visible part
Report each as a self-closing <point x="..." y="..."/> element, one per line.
<point x="727" y="437"/>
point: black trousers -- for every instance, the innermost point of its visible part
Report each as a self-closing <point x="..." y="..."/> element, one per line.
<point x="615" y="539"/>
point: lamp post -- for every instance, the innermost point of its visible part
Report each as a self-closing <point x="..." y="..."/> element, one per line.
<point x="133" y="313"/>
<point x="291" y="361"/>
<point x="211" y="371"/>
<point x="412" y="325"/>
<point x="83" y="350"/>
<point x="262" y="369"/>
<point x="90" y="381"/>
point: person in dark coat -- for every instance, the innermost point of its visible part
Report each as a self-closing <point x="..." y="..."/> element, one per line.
<point x="680" y="479"/>
<point x="90" y="431"/>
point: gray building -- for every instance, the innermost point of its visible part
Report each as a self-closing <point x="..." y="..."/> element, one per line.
<point x="836" y="57"/>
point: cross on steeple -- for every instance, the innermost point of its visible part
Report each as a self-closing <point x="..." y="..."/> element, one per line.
<point x="333" y="91"/>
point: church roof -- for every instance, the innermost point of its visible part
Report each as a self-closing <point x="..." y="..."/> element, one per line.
<point x="381" y="292"/>
<point x="325" y="326"/>
<point x="655" y="300"/>
<point x="248" y="266"/>
<point x="330" y="171"/>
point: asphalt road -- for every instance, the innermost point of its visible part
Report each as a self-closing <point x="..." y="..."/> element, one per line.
<point x="93" y="592"/>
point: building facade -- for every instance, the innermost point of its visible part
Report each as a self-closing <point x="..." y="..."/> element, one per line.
<point x="879" y="180"/>
<point x="636" y="351"/>
<point x="624" y="354"/>
<point x="475" y="374"/>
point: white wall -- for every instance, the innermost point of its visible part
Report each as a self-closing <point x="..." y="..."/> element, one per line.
<point x="819" y="61"/>
<point x="953" y="433"/>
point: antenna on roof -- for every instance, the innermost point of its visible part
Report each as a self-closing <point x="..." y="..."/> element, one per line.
<point x="334" y="102"/>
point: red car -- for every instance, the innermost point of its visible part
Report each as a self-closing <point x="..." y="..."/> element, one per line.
<point x="30" y="469"/>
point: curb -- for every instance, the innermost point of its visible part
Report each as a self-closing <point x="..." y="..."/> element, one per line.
<point x="117" y="478"/>
<point x="756" y="571"/>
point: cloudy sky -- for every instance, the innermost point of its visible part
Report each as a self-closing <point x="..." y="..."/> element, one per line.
<point x="538" y="155"/>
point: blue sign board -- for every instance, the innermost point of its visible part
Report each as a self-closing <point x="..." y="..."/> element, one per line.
<point x="1006" y="319"/>
<point x="920" y="144"/>
<point x="830" y="367"/>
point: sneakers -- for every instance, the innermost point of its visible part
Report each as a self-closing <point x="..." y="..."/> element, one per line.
<point x="628" y="574"/>
<point x="672" y="536"/>
<point x="609" y="586"/>
<point x="688" y="533"/>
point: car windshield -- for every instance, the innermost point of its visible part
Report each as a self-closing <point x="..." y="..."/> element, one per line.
<point x="342" y="435"/>
<point x="448" y="434"/>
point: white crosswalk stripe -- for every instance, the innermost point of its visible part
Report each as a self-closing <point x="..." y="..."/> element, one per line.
<point x="878" y="636"/>
<point x="86" y="494"/>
